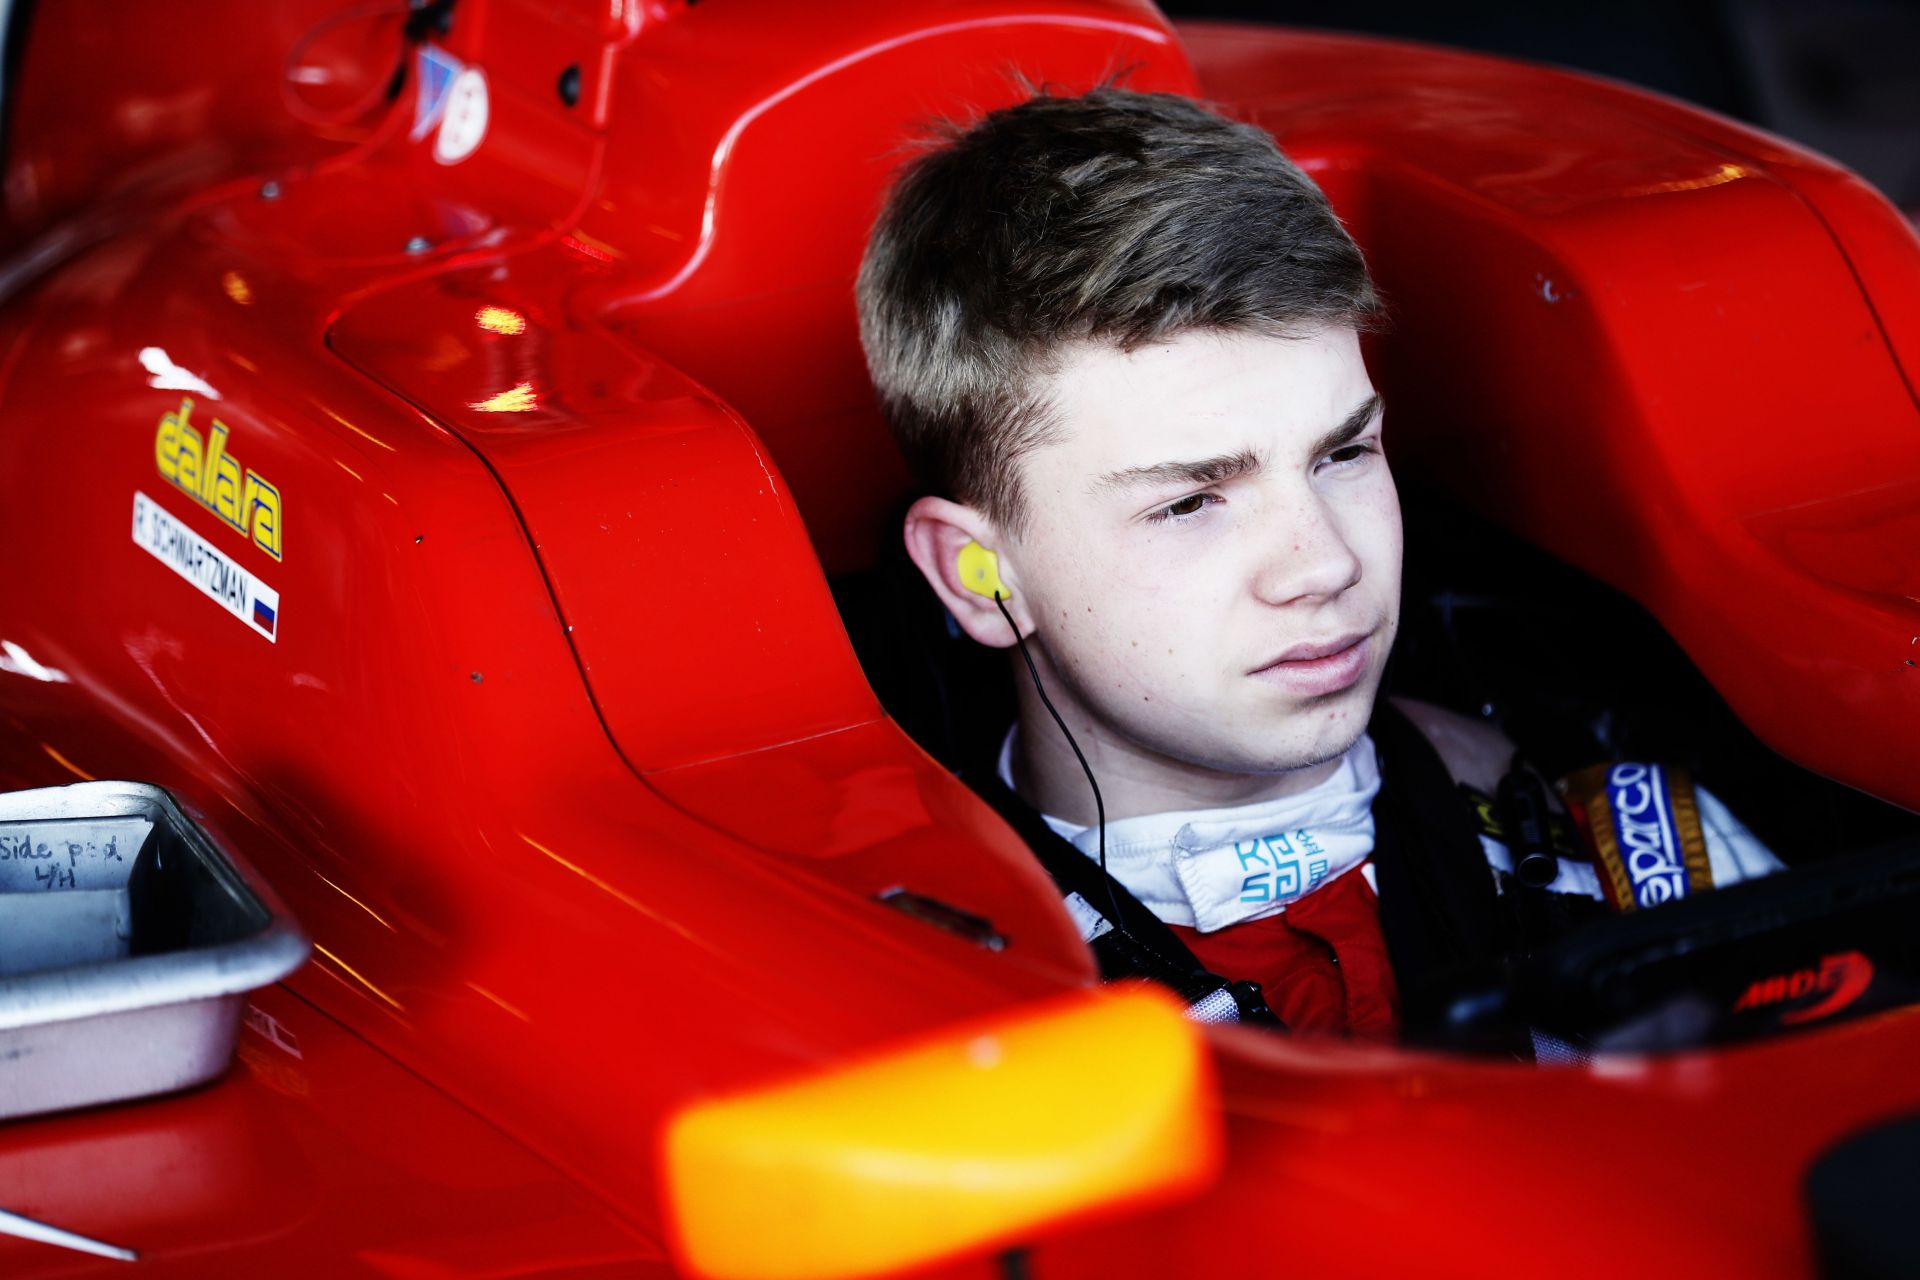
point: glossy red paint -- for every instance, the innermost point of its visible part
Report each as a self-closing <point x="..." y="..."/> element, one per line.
<point x="560" y="752"/>
<point x="314" y="1156"/>
<point x="130" y="103"/>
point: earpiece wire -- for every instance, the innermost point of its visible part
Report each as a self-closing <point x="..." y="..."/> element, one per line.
<point x="1099" y="805"/>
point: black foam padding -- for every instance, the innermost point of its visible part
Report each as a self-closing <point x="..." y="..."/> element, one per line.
<point x="1864" y="1199"/>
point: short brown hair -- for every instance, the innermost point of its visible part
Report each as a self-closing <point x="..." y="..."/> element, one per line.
<point x="1115" y="216"/>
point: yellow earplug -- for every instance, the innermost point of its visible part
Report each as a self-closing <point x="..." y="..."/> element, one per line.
<point x="980" y="572"/>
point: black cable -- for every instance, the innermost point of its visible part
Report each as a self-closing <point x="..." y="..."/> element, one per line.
<point x="1099" y="806"/>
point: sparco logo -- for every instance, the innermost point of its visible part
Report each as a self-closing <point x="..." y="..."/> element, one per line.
<point x="1647" y="837"/>
<point x="1839" y="979"/>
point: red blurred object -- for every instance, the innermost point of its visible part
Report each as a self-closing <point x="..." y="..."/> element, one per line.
<point x="559" y="750"/>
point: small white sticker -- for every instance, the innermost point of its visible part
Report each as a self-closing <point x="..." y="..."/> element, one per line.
<point x="463" y="121"/>
<point x="218" y="578"/>
<point x="1092" y="924"/>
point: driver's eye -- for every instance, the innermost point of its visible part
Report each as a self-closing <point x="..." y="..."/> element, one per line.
<point x="1189" y="506"/>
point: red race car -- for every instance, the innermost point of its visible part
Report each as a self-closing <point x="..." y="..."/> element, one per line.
<point x="480" y="384"/>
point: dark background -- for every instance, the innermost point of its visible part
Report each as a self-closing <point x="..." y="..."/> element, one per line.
<point x="1840" y="76"/>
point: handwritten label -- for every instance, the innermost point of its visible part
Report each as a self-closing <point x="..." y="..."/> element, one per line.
<point x="84" y="854"/>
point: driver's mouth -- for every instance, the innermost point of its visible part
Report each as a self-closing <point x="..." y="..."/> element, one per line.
<point x="1317" y="668"/>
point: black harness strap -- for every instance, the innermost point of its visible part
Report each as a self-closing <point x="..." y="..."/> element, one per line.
<point x="1440" y="910"/>
<point x="1139" y="944"/>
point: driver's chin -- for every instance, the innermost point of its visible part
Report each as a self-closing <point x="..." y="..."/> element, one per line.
<point x="1306" y="749"/>
<point x="1303" y="737"/>
<point x="1267" y="746"/>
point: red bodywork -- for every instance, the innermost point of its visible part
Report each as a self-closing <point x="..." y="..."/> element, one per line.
<point x="560" y="752"/>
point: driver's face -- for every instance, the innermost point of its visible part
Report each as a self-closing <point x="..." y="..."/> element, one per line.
<point x="1212" y="507"/>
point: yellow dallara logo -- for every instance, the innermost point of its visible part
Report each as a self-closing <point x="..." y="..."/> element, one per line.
<point x="207" y="473"/>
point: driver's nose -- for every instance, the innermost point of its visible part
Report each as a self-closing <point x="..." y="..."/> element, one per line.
<point x="1306" y="557"/>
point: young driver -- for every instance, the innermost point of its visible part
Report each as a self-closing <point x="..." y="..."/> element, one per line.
<point x="1118" y="337"/>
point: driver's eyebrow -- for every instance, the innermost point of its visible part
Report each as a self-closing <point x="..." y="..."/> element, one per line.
<point x="1234" y="466"/>
<point x="1200" y="471"/>
<point x="1349" y="429"/>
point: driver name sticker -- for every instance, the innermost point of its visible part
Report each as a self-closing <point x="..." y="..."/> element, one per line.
<point x="168" y="540"/>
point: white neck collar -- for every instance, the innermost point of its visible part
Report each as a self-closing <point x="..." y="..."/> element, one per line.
<point x="1209" y="868"/>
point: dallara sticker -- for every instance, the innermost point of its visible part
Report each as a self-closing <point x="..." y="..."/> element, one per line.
<point x="199" y="562"/>
<point x="201" y="468"/>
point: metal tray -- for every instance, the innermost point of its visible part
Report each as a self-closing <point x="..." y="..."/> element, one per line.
<point x="128" y="942"/>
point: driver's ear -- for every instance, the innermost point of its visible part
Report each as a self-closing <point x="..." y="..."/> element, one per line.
<point x="937" y="533"/>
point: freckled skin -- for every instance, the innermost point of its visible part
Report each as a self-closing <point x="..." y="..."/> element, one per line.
<point x="1306" y="550"/>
